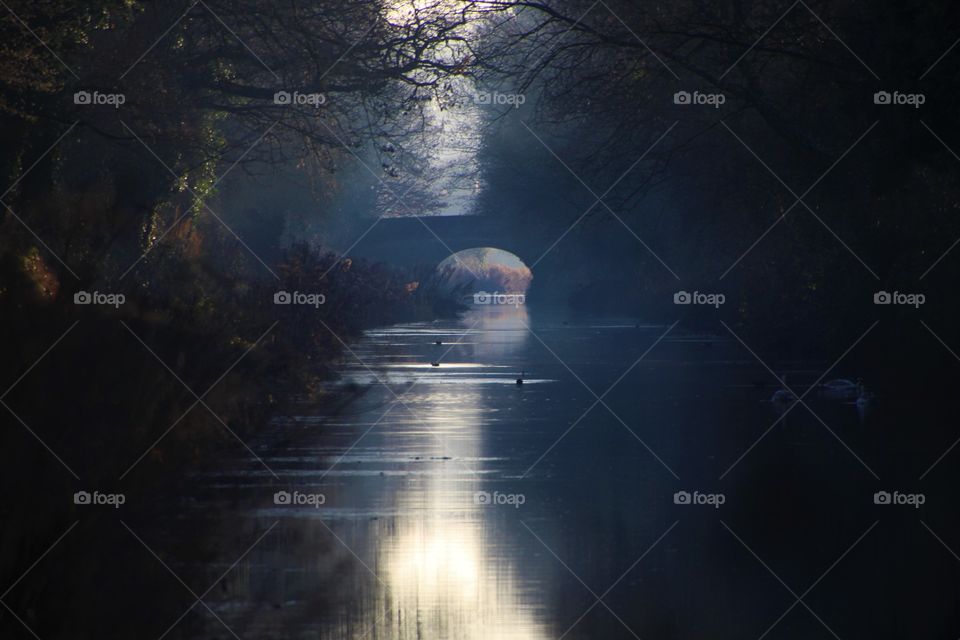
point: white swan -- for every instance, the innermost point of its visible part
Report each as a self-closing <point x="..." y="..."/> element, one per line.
<point x="782" y="396"/>
<point x="841" y="389"/>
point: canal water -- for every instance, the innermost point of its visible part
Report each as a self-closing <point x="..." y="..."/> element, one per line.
<point x="639" y="483"/>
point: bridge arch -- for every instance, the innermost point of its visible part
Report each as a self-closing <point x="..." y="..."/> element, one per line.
<point x="487" y="269"/>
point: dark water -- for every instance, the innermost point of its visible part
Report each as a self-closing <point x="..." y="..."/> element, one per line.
<point x="458" y="504"/>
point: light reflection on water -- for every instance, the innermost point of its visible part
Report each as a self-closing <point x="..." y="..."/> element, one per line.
<point x="443" y="581"/>
<point x="401" y="550"/>
<point x="443" y="575"/>
<point x="410" y="552"/>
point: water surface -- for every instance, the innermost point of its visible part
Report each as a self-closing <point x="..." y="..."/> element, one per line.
<point x="459" y="504"/>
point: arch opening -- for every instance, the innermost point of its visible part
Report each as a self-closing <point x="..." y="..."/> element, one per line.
<point x="485" y="269"/>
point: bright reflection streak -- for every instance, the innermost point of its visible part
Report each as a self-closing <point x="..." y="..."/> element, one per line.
<point x="437" y="563"/>
<point x="446" y="575"/>
<point x="443" y="586"/>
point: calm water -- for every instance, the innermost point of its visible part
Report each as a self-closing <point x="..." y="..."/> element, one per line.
<point x="458" y="504"/>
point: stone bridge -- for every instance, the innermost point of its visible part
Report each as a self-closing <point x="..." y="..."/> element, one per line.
<point x="431" y="239"/>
